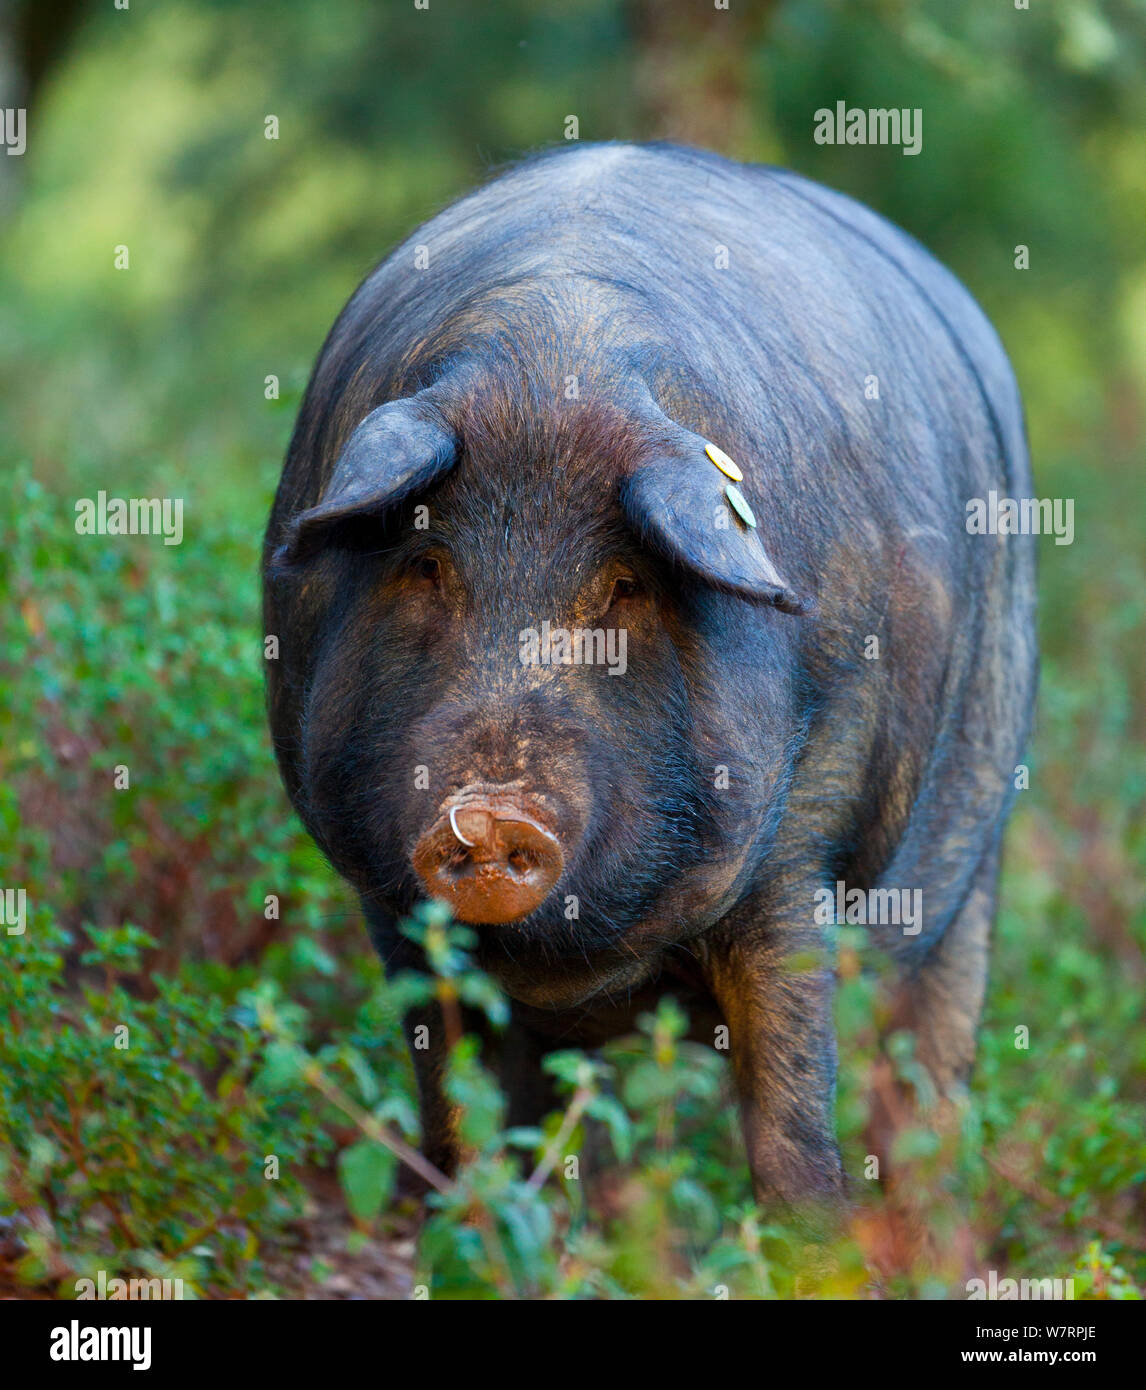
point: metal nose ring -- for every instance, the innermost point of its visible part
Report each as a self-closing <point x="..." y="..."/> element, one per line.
<point x="469" y="844"/>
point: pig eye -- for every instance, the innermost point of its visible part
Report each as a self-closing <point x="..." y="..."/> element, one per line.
<point x="430" y="570"/>
<point x="625" y="586"/>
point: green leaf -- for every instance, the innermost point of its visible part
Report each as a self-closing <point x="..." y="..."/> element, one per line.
<point x="284" y="1067"/>
<point x="367" y="1171"/>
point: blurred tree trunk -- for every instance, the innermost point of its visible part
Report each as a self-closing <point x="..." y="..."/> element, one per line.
<point x="36" y="33"/>
<point x="693" y="70"/>
<point x="33" y="35"/>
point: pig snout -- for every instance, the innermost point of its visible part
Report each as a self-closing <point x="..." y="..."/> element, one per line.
<point x="490" y="856"/>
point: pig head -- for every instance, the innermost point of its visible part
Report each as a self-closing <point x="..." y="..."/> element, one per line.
<point x="503" y="710"/>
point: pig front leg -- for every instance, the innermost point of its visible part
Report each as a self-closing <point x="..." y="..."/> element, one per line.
<point x="514" y="1054"/>
<point x="774" y="990"/>
<point x="426" y="1038"/>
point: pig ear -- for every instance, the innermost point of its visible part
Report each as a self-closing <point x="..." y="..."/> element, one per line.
<point x="680" y="507"/>
<point x="397" y="450"/>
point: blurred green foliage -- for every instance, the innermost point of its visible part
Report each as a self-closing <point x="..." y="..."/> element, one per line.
<point x="148" y="907"/>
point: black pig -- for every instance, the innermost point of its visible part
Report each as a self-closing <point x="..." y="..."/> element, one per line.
<point x="824" y="682"/>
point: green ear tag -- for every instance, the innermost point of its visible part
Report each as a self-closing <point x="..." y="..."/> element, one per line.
<point x="739" y="504"/>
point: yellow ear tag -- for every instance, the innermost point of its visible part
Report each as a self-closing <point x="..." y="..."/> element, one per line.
<point x="739" y="504"/>
<point x="724" y="463"/>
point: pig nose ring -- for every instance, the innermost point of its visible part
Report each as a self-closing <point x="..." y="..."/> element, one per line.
<point x="469" y="844"/>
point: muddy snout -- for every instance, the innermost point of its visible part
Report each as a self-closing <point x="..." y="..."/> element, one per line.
<point x="490" y="856"/>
